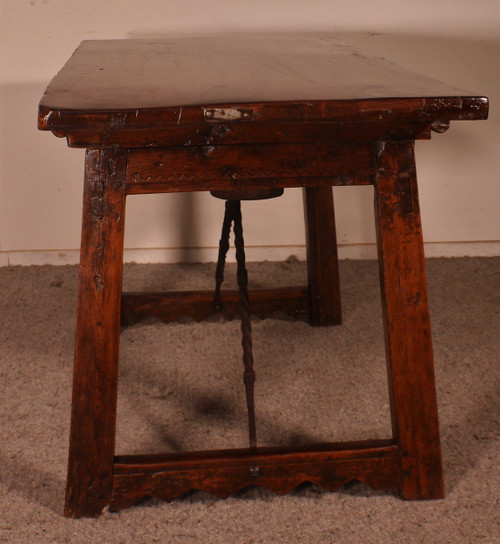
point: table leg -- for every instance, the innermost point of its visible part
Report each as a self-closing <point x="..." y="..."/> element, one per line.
<point x="406" y="322"/>
<point x="95" y="376"/>
<point x="322" y="260"/>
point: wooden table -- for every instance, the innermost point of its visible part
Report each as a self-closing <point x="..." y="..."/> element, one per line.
<point x="250" y="113"/>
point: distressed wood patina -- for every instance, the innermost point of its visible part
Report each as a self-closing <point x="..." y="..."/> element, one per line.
<point x="250" y="115"/>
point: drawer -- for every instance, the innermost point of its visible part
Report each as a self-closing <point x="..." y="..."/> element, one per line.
<point x="199" y="168"/>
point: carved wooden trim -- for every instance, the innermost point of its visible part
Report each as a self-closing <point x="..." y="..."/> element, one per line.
<point x="226" y="167"/>
<point x="222" y="473"/>
<point x="199" y="304"/>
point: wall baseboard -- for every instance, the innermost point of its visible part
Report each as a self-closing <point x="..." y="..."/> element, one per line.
<point x="276" y="253"/>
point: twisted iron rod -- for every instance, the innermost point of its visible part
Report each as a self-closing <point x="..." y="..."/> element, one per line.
<point x="233" y="215"/>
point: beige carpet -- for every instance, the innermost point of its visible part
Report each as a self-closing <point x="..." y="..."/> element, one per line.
<point x="180" y="388"/>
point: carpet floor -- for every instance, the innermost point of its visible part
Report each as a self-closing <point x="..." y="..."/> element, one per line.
<point x="181" y="389"/>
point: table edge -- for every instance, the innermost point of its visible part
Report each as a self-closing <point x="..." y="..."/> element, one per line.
<point x="446" y="108"/>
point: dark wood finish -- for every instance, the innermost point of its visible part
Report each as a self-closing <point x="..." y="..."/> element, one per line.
<point x="92" y="438"/>
<point x="209" y="91"/>
<point x="336" y="120"/>
<point x="249" y="194"/>
<point x="109" y="133"/>
<point x="148" y="74"/>
<point x="200" y="304"/>
<point x="248" y="183"/>
<point x="322" y="259"/>
<point x="255" y="166"/>
<point x="250" y="114"/>
<point x="281" y="470"/>
<point x="324" y="118"/>
<point x="406" y="322"/>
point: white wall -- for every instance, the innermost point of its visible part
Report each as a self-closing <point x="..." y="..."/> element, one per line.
<point x="456" y="41"/>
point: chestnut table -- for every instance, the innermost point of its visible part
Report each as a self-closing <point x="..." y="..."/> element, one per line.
<point x="249" y="113"/>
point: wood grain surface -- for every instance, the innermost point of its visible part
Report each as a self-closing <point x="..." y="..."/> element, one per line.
<point x="149" y="74"/>
<point x="407" y="326"/>
<point x="95" y="375"/>
<point x="127" y="92"/>
<point x="224" y="472"/>
<point x="236" y="114"/>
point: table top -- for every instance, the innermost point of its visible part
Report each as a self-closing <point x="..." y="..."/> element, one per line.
<point x="307" y="77"/>
<point x="130" y="74"/>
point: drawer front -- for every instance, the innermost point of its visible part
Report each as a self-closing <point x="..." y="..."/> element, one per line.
<point x="198" y="168"/>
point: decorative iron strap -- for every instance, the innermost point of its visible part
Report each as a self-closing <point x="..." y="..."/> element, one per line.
<point x="233" y="215"/>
